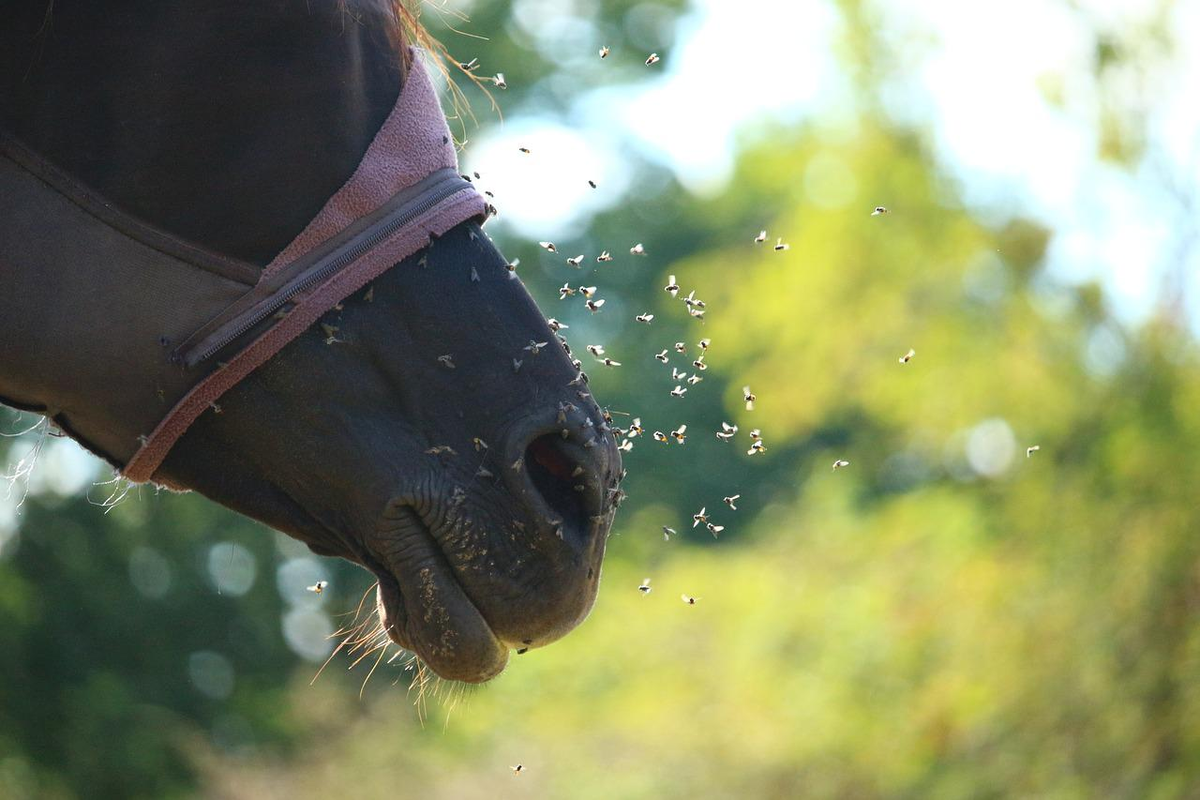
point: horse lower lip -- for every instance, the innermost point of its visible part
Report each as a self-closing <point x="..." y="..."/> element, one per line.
<point x="434" y="617"/>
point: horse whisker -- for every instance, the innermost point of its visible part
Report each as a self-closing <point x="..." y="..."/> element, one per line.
<point x="382" y="653"/>
<point x="367" y="653"/>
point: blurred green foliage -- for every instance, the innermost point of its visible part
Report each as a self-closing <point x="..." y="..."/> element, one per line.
<point x="945" y="617"/>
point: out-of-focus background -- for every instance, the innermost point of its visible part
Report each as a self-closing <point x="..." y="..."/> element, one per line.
<point x="949" y="615"/>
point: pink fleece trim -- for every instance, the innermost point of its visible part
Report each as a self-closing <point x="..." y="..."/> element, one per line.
<point x="413" y="142"/>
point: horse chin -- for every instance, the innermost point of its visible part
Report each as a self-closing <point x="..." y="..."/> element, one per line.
<point x="424" y="608"/>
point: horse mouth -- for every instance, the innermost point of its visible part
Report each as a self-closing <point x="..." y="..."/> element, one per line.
<point x="461" y="609"/>
<point x="424" y="608"/>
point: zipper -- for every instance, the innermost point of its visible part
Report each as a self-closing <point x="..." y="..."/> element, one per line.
<point x="403" y="209"/>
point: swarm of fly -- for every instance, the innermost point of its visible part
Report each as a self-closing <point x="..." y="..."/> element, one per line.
<point x="696" y="308"/>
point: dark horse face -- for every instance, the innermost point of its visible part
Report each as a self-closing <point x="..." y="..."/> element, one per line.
<point x="477" y="487"/>
<point x="431" y="429"/>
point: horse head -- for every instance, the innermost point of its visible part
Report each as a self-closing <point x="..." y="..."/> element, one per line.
<point x="419" y="418"/>
<point x="437" y="434"/>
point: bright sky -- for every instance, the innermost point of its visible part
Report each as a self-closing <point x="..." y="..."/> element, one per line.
<point x="979" y="85"/>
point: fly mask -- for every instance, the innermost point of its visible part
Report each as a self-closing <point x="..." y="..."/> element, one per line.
<point x="128" y="327"/>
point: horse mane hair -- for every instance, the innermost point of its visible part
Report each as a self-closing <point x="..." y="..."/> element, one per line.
<point x="410" y="32"/>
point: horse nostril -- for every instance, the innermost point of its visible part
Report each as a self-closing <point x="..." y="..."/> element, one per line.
<point x="561" y="480"/>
